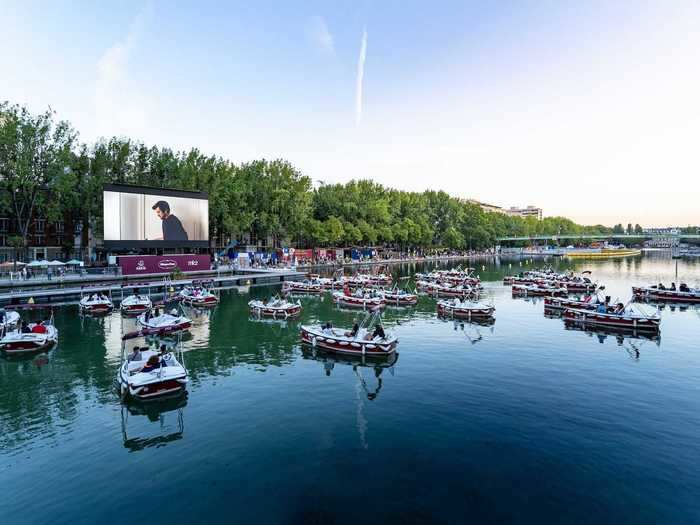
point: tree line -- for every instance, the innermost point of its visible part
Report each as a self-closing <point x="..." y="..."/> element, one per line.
<point x="45" y="171"/>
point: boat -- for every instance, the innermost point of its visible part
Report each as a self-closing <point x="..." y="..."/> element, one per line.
<point x="359" y="298"/>
<point x="305" y="287"/>
<point x="40" y="337"/>
<point x="683" y="294"/>
<point x="95" y="303"/>
<point x="458" y="309"/>
<point x="448" y="290"/>
<point x="362" y="343"/>
<point x="163" y="323"/>
<point x="590" y="302"/>
<point x="9" y="319"/>
<point x="398" y="297"/>
<point x="198" y="295"/>
<point x="276" y="308"/>
<point x="135" y="304"/>
<point x="628" y="318"/>
<point x="167" y="379"/>
<point x="539" y="290"/>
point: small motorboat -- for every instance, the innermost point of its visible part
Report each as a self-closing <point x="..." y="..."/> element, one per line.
<point x="449" y="290"/>
<point x="683" y="294"/>
<point x="359" y="298"/>
<point x="9" y="319"/>
<point x="152" y="375"/>
<point x="276" y="308"/>
<point x="198" y="295"/>
<point x="458" y="309"/>
<point x="539" y="290"/>
<point x="96" y="303"/>
<point x="163" y="323"/>
<point x="303" y="287"/>
<point x="357" y="341"/>
<point x="135" y="304"/>
<point x="34" y="337"/>
<point x="398" y="297"/>
<point x="589" y="302"/>
<point x="627" y="317"/>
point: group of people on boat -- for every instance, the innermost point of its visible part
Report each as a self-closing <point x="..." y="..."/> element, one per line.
<point x="681" y="288"/>
<point x="34" y="328"/>
<point x="97" y="297"/>
<point x="154" y="362"/>
<point x="327" y="329"/>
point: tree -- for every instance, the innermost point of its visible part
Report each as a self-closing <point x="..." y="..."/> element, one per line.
<point x="34" y="152"/>
<point x="638" y="229"/>
<point x="630" y="230"/>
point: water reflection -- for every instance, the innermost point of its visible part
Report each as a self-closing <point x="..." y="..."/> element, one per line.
<point x="154" y="424"/>
<point x="632" y="341"/>
<point x="473" y="330"/>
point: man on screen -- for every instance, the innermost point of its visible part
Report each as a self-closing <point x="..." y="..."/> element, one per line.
<point x="172" y="227"/>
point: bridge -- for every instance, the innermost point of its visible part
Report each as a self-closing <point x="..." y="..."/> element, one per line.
<point x="617" y="236"/>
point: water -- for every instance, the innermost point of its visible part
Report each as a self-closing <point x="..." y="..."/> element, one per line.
<point x="520" y="422"/>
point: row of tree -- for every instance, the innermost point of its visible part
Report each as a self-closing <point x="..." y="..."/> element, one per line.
<point x="45" y="171"/>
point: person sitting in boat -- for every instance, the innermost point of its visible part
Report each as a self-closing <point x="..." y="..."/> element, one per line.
<point x="683" y="288"/>
<point x="39" y="328"/>
<point x="673" y="287"/>
<point x="157" y="312"/>
<point x="353" y="332"/>
<point x="661" y="286"/>
<point x="602" y="308"/>
<point x="135" y="355"/>
<point x="24" y="328"/>
<point x="619" y="309"/>
<point x="328" y="328"/>
<point x="378" y="332"/>
<point x="152" y="364"/>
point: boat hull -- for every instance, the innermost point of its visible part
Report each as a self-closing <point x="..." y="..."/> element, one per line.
<point x="667" y="296"/>
<point x="612" y="320"/>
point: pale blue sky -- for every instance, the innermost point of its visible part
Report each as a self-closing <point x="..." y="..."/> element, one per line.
<point x="588" y="109"/>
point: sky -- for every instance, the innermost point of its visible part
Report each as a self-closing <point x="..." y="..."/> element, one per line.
<point x="590" y="110"/>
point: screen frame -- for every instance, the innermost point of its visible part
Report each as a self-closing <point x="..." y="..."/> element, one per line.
<point x="156" y="192"/>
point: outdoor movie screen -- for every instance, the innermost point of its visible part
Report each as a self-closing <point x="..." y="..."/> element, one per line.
<point x="136" y="216"/>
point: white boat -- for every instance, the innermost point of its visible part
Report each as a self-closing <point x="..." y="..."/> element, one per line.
<point x="360" y="298"/>
<point x="40" y="337"/>
<point x="135" y="304"/>
<point x="168" y="378"/>
<point x="198" y="296"/>
<point x="459" y="309"/>
<point x="163" y="323"/>
<point x="342" y="342"/>
<point x="9" y="321"/>
<point x="276" y="308"/>
<point x="96" y="303"/>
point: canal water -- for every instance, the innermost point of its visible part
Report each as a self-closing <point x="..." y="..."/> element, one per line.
<point x="523" y="421"/>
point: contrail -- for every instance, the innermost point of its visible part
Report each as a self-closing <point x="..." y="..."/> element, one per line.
<point x="360" y="77"/>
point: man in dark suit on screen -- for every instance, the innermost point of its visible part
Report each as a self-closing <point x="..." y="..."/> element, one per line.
<point x="172" y="227"/>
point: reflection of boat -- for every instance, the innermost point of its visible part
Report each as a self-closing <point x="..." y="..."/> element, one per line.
<point x="135" y="304"/>
<point x="653" y="293"/>
<point x="198" y="295"/>
<point x="630" y="318"/>
<point x="41" y="337"/>
<point x="155" y="413"/>
<point x="152" y="375"/>
<point x="459" y="309"/>
<point x="275" y="308"/>
<point x="362" y="343"/>
<point x="602" y="332"/>
<point x="330" y="360"/>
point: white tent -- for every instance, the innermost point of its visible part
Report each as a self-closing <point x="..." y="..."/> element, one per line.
<point x="56" y="262"/>
<point x="74" y="262"/>
<point x="38" y="264"/>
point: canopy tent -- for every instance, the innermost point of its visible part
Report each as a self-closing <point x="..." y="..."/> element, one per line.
<point x="12" y="264"/>
<point x="56" y="262"/>
<point x="74" y="262"/>
<point x="38" y="264"/>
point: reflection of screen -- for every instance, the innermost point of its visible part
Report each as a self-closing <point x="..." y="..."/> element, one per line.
<point x="146" y="215"/>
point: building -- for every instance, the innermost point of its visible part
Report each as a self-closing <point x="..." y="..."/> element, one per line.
<point x="492" y="208"/>
<point x="528" y="211"/>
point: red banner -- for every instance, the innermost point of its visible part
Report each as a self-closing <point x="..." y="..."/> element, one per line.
<point x="145" y="264"/>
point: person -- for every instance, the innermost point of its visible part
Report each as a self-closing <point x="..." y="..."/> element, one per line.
<point x="378" y="332"/>
<point x="602" y="308"/>
<point x="163" y="349"/>
<point x="673" y="287"/>
<point x="24" y="328"/>
<point x="147" y="315"/>
<point x="135" y="355"/>
<point x="353" y="332"/>
<point x="172" y="227"/>
<point x="157" y="312"/>
<point x="684" y="288"/>
<point x="619" y="309"/>
<point x="152" y="363"/>
<point x="661" y="286"/>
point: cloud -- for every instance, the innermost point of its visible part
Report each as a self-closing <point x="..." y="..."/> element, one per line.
<point x="120" y="109"/>
<point x="360" y="78"/>
<point x="318" y="33"/>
